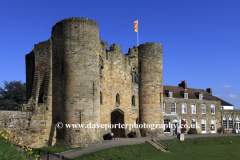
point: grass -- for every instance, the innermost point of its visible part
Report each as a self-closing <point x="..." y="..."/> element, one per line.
<point x="8" y="151"/>
<point x="200" y="148"/>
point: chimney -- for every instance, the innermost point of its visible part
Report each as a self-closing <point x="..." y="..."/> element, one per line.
<point x="183" y="84"/>
<point x="209" y="90"/>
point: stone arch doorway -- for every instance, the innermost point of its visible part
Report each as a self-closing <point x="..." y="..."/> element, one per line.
<point x="117" y="116"/>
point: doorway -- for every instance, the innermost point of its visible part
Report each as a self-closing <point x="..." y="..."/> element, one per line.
<point x="117" y="117"/>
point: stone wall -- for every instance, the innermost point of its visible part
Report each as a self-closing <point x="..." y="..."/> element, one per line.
<point x="31" y="129"/>
<point x="116" y="79"/>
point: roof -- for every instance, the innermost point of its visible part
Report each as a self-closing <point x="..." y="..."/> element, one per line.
<point x="176" y="93"/>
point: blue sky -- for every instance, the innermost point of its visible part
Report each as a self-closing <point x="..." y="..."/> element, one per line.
<point x="200" y="38"/>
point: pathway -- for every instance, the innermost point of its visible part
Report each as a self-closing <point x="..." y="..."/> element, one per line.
<point x="128" y="141"/>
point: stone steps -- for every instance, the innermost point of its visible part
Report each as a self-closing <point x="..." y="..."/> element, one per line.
<point x="157" y="145"/>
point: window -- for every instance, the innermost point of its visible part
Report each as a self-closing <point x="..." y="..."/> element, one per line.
<point x="133" y="100"/>
<point x="213" y="127"/>
<point x="203" y="125"/>
<point x="230" y="122"/>
<point x="134" y="74"/>
<point x="193" y="107"/>
<point x="100" y="97"/>
<point x="200" y="96"/>
<point x="164" y="107"/>
<point x="212" y="109"/>
<point x="184" y="108"/>
<point x="170" y="94"/>
<point x="238" y="118"/>
<point x="100" y="65"/>
<point x="173" y="108"/>
<point x="118" y="98"/>
<point x="186" y="95"/>
<point x="167" y="125"/>
<point x="225" y="122"/>
<point x="203" y="108"/>
<point x="194" y="123"/>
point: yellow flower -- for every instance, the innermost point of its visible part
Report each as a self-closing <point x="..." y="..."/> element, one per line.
<point x="15" y="137"/>
<point x="0" y="131"/>
<point x="20" y="143"/>
<point x="23" y="147"/>
<point x="4" y="128"/>
<point x="5" y="141"/>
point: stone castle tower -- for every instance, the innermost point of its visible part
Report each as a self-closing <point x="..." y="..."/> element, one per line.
<point x="75" y="79"/>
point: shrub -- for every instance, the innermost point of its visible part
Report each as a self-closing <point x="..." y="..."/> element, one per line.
<point x="192" y="131"/>
<point x="220" y="129"/>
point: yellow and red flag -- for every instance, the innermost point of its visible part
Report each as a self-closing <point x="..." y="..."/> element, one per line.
<point x="136" y="26"/>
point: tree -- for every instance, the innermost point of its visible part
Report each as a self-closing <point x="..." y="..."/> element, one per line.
<point x="13" y="95"/>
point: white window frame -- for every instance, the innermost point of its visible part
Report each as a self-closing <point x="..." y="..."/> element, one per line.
<point x="185" y="95"/>
<point x="200" y="96"/>
<point x="213" y="122"/>
<point x="204" y="123"/>
<point x="170" y="94"/>
<point x="174" y="108"/>
<point x="164" y="107"/>
<point x="226" y="122"/>
<point x="184" y="108"/>
<point x="193" y="108"/>
<point x="195" y="121"/>
<point x="231" y="126"/>
<point x="212" y="109"/>
<point x="203" y="108"/>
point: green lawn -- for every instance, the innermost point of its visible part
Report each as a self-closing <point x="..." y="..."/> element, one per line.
<point x="8" y="152"/>
<point x="190" y="149"/>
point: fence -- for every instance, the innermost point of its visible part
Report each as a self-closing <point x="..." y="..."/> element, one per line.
<point x="46" y="152"/>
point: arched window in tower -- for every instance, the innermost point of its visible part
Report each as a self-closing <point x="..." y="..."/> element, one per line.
<point x="100" y="65"/>
<point x="118" y="98"/>
<point x="100" y="97"/>
<point x="134" y="74"/>
<point x="133" y="100"/>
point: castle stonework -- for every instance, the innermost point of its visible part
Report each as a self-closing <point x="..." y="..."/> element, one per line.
<point x="74" y="78"/>
<point x="93" y="84"/>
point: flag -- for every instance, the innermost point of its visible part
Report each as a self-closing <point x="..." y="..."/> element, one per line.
<point x="136" y="26"/>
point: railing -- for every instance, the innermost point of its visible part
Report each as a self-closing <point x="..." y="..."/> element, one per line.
<point x="164" y="143"/>
<point x="47" y="152"/>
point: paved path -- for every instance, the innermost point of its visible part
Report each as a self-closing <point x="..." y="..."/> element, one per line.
<point x="128" y="141"/>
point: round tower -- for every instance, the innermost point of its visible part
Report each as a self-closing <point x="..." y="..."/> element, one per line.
<point x="75" y="70"/>
<point x="151" y="88"/>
